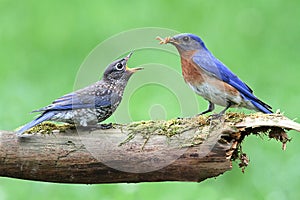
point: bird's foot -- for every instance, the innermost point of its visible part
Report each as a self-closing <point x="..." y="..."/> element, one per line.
<point x="218" y="116"/>
<point x="200" y="114"/>
<point x="105" y="126"/>
<point x="191" y="117"/>
<point x="91" y="128"/>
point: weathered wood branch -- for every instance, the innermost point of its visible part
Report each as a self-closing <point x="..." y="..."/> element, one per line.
<point x="191" y="149"/>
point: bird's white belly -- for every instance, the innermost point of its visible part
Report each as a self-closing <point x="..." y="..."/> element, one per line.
<point x="216" y="95"/>
<point x="81" y="117"/>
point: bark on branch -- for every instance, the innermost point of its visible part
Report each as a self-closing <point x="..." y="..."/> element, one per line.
<point x="191" y="149"/>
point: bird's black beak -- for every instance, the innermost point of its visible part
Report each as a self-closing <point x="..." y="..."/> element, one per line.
<point x="128" y="56"/>
<point x="173" y="40"/>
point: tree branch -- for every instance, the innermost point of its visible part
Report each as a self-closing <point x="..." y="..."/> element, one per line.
<point x="191" y="149"/>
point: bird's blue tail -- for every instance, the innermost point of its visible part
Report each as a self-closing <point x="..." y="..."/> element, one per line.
<point x="261" y="106"/>
<point x="44" y="117"/>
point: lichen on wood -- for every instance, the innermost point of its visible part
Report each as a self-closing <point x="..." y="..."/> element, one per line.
<point x="199" y="148"/>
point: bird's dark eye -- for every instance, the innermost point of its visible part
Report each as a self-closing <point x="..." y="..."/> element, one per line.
<point x="119" y="66"/>
<point x="185" y="38"/>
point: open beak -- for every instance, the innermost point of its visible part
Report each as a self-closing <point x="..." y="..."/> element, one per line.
<point x="132" y="70"/>
<point x="167" y="40"/>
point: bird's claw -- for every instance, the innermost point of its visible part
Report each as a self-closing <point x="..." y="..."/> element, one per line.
<point x="218" y="116"/>
<point x="163" y="41"/>
<point x="95" y="127"/>
<point x="105" y="126"/>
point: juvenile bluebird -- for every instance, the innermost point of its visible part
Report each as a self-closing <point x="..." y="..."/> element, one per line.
<point x="210" y="78"/>
<point x="92" y="104"/>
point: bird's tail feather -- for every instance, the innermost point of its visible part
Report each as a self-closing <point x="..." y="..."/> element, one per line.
<point x="261" y="106"/>
<point x="44" y="117"/>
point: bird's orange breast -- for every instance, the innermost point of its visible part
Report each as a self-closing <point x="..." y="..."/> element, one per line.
<point x="191" y="73"/>
<point x="194" y="75"/>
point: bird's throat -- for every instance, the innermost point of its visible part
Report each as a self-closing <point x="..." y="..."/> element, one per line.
<point x="191" y="73"/>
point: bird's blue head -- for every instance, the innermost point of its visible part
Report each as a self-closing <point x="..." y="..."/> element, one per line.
<point x="185" y="42"/>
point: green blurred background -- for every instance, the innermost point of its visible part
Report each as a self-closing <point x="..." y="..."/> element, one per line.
<point x="43" y="43"/>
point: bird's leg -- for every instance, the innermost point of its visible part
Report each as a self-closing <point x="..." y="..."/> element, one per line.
<point x="210" y="108"/>
<point x="220" y="114"/>
<point x="227" y="107"/>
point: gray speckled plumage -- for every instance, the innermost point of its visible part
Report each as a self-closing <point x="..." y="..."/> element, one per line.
<point x="92" y="104"/>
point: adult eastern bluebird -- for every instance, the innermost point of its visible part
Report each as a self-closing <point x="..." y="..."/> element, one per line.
<point x="92" y="104"/>
<point x="210" y="78"/>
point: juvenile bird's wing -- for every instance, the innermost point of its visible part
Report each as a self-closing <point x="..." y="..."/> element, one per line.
<point x="216" y="68"/>
<point x="82" y="99"/>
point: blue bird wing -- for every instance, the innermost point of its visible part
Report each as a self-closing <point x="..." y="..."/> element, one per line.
<point x="76" y="101"/>
<point x="216" y="68"/>
<point x="67" y="102"/>
<point x="83" y="99"/>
